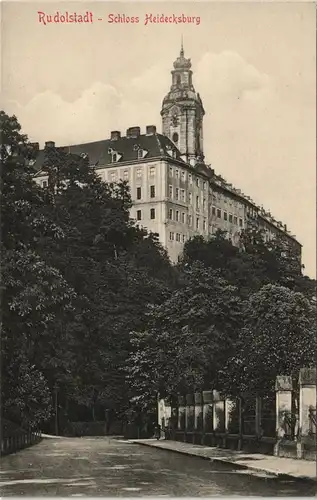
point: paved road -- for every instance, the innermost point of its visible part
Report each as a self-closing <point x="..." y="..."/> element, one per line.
<point x="108" y="467"/>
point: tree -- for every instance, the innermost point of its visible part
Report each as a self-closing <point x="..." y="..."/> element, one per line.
<point x="187" y="338"/>
<point x="278" y="337"/>
<point x="33" y="292"/>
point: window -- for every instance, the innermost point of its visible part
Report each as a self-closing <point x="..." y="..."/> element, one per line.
<point x="197" y="202"/>
<point x="171" y="236"/>
<point x="44" y="184"/>
<point x="171" y="171"/>
<point x="230" y="218"/>
<point x="177" y="173"/>
<point x="140" y="153"/>
<point x="138" y="214"/>
<point x="113" y="176"/>
<point x="204" y="225"/>
<point x="197" y="182"/>
<point x="176" y="193"/>
<point x="218" y="213"/>
<point x="235" y="220"/>
<point x="204" y="204"/>
<point x="152" y="213"/>
<point x="190" y="178"/>
<point x="190" y="197"/>
<point x="182" y="194"/>
<point x="204" y="185"/>
<point x="139" y="172"/>
<point x="114" y="157"/>
<point x="197" y="223"/>
<point x="126" y="175"/>
<point x="138" y="193"/>
<point x="152" y="171"/>
<point x="152" y="191"/>
<point x="240" y="222"/>
<point x="170" y="214"/>
<point x="184" y="238"/>
<point x="225" y="216"/>
<point x="175" y="137"/>
<point x="177" y="216"/>
<point x="183" y="218"/>
<point x="213" y="210"/>
<point x="182" y="175"/>
<point x="189" y="220"/>
<point x="178" y="237"/>
<point x="170" y="191"/>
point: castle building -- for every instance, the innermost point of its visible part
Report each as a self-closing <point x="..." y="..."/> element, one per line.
<point x="175" y="193"/>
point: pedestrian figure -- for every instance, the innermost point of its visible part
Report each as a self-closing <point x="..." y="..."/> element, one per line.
<point x="157" y="432"/>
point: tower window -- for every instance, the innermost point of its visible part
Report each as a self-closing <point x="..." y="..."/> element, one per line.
<point x="175" y="137"/>
<point x="152" y="213"/>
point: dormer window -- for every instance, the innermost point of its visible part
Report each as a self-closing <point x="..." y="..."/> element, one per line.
<point x="140" y="153"/>
<point x="114" y="157"/>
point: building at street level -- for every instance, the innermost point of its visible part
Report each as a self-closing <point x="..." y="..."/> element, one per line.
<point x="174" y="190"/>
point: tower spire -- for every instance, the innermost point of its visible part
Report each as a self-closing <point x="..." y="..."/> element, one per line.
<point x="182" y="48"/>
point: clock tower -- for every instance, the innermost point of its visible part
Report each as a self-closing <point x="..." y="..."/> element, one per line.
<point x="182" y="113"/>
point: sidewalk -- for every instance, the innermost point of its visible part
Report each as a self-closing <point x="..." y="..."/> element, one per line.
<point x="299" y="469"/>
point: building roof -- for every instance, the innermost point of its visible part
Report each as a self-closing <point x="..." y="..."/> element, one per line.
<point x="152" y="145"/>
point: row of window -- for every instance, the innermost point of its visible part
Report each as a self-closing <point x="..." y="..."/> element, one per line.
<point x="233" y="219"/>
<point x="139" y="214"/>
<point x="181" y="174"/>
<point x="139" y="192"/>
<point x="113" y="175"/>
<point x="181" y="238"/>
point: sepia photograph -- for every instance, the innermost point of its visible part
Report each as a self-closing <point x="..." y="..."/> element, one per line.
<point x="158" y="249"/>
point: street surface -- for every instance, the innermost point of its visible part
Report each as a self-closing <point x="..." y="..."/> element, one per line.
<point x="110" y="467"/>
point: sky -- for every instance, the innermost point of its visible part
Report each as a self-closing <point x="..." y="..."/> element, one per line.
<point x="254" y="66"/>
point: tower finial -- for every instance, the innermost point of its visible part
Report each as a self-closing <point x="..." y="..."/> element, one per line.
<point x="182" y="48"/>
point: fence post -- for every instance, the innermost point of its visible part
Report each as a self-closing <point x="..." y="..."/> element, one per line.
<point x="207" y="413"/>
<point x="258" y="415"/>
<point x="218" y="412"/>
<point x="190" y="412"/>
<point x="198" y="414"/>
<point x="181" y="413"/>
<point x="307" y="400"/>
<point x="283" y="390"/>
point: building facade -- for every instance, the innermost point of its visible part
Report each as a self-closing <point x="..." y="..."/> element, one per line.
<point x="175" y="193"/>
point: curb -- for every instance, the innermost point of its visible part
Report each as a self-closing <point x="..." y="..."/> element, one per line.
<point x="280" y="475"/>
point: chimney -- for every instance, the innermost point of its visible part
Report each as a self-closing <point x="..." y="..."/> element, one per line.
<point x="50" y="144"/>
<point x="150" y="129"/>
<point x="115" y="135"/>
<point x="133" y="132"/>
<point x="35" y="146"/>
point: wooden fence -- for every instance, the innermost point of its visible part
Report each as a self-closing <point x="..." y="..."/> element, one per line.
<point x="18" y="441"/>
